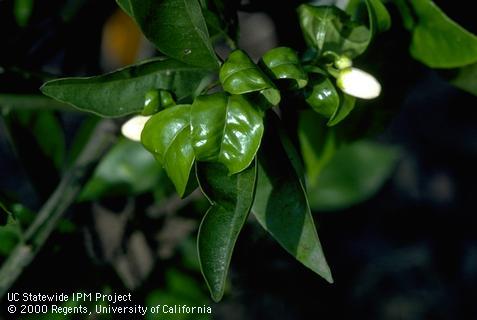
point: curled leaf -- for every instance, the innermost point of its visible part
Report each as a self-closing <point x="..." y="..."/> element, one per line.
<point x="156" y="100"/>
<point x="239" y="75"/>
<point x="227" y="129"/>
<point x="167" y="136"/>
<point x="328" y="28"/>
<point x="322" y="96"/>
<point x="379" y="18"/>
<point x="284" y="63"/>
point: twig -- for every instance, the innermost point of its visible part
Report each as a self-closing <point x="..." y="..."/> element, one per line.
<point x="56" y="206"/>
<point x="31" y="102"/>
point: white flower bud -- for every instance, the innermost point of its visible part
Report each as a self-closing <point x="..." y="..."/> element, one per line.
<point x="132" y="128"/>
<point x="358" y="83"/>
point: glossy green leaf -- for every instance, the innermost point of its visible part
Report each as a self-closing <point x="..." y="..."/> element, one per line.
<point x="231" y="198"/>
<point x="177" y="28"/>
<point x="156" y="100"/>
<point x="322" y="96"/>
<point x="239" y="75"/>
<point x="438" y="41"/>
<point x="122" y="92"/>
<point x="23" y="10"/>
<point x="331" y="29"/>
<point x="127" y="169"/>
<point x="346" y="105"/>
<point x="318" y="144"/>
<point x="152" y="103"/>
<point x="355" y="173"/>
<point x="281" y="206"/>
<point x="284" y="63"/>
<point x="167" y="136"/>
<point x="227" y="129"/>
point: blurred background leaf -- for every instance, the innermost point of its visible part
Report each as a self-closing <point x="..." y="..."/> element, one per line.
<point x="128" y="169"/>
<point x="353" y="174"/>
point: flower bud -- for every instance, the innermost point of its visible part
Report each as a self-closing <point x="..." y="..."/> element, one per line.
<point x="358" y="83"/>
<point x="132" y="128"/>
<point x="343" y="62"/>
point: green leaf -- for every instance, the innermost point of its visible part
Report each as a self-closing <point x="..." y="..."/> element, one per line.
<point x="122" y="92"/>
<point x="231" y="198"/>
<point x="438" y="41"/>
<point x="46" y="129"/>
<point x="127" y="169"/>
<point x="379" y="18"/>
<point x="49" y="134"/>
<point x="14" y="218"/>
<point x="355" y="173"/>
<point x="39" y="142"/>
<point x="346" y="105"/>
<point x="322" y="96"/>
<point x="227" y="129"/>
<point x="125" y="5"/>
<point x="177" y="28"/>
<point x="318" y="144"/>
<point x="239" y="75"/>
<point x="167" y="135"/>
<point x="9" y="236"/>
<point x="406" y="14"/>
<point x="284" y="63"/>
<point x="331" y="29"/>
<point x="377" y="15"/>
<point x="281" y="206"/>
<point x="156" y="100"/>
<point x="23" y="10"/>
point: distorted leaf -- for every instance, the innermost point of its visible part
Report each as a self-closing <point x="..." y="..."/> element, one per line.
<point x="167" y="136"/>
<point x="227" y="129"/>
<point x="284" y="63"/>
<point x="379" y="18"/>
<point x="321" y="96"/>
<point x="346" y="105"/>
<point x="239" y="75"/>
<point x="331" y="29"/>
